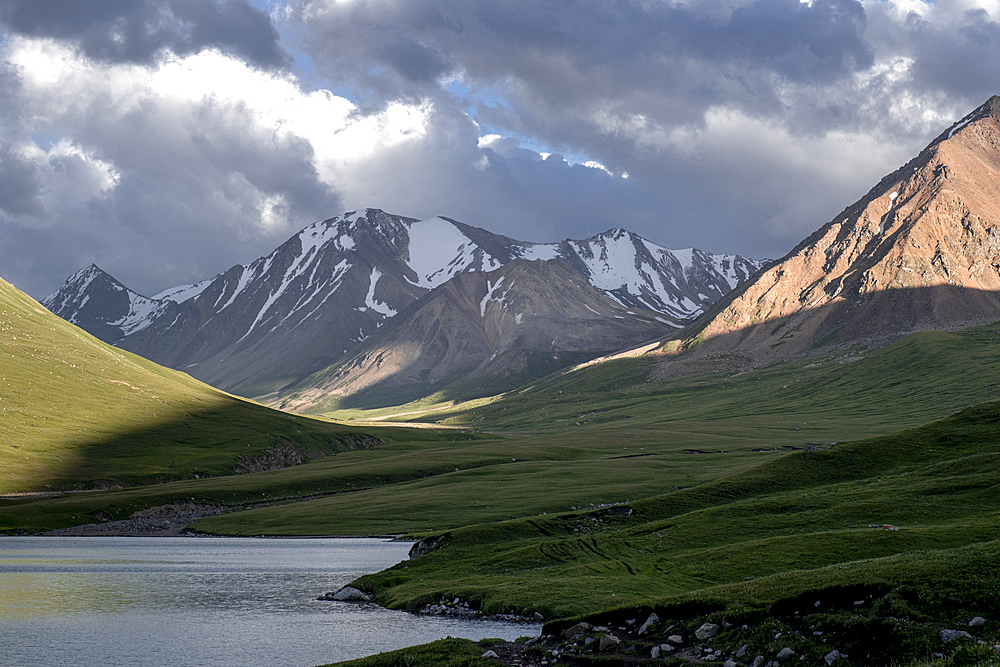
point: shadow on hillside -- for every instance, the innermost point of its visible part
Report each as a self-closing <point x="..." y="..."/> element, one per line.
<point x="871" y="321"/>
<point x="225" y="437"/>
<point x="510" y="370"/>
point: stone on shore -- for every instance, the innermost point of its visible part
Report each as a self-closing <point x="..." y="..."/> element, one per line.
<point x="347" y="594"/>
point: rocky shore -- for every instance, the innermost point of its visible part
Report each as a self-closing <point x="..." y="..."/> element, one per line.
<point x="161" y="521"/>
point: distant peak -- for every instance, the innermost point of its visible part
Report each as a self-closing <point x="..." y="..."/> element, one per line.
<point x="615" y="232"/>
<point x="87" y="271"/>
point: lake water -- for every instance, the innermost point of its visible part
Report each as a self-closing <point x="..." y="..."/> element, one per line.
<point x="205" y="602"/>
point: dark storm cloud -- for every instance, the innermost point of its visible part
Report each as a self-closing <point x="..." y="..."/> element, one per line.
<point x="568" y="52"/>
<point x="140" y="30"/>
<point x="960" y="58"/>
<point x="19" y="185"/>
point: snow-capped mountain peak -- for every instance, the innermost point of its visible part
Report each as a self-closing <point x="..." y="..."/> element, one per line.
<point x="98" y="303"/>
<point x="337" y="281"/>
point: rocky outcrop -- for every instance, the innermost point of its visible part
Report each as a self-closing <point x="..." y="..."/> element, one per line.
<point x="426" y="545"/>
<point x="276" y="457"/>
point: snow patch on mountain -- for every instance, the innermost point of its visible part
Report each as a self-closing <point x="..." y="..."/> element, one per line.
<point x="438" y="252"/>
<point x="490" y="289"/>
<point x="533" y="251"/>
<point x="143" y="311"/>
<point x="182" y="293"/>
<point x="370" y="301"/>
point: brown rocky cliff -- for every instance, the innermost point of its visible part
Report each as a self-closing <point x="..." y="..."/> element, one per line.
<point x="920" y="251"/>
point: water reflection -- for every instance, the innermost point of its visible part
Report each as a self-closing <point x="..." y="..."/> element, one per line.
<point x="198" y="601"/>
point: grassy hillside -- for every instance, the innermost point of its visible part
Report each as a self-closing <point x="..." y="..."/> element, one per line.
<point x="920" y="378"/>
<point x="77" y="413"/>
<point x="908" y="524"/>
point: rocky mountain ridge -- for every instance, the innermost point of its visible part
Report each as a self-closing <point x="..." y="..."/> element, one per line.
<point x="258" y="327"/>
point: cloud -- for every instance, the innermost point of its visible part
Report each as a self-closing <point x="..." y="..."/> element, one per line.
<point x="642" y="88"/>
<point x="19" y="183"/>
<point x="170" y="162"/>
<point x="166" y="140"/>
<point x="141" y="31"/>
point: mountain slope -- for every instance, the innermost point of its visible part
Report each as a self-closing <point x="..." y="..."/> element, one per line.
<point x="259" y="327"/>
<point x="76" y="411"/>
<point x="484" y="324"/>
<point x="920" y="251"/>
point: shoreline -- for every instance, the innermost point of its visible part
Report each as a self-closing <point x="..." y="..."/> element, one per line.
<point x="172" y="520"/>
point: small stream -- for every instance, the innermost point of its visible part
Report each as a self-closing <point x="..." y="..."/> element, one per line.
<point x="204" y="602"/>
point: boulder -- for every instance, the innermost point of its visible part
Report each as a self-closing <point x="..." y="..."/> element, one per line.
<point x="949" y="635"/>
<point x="675" y="639"/>
<point x="652" y="620"/>
<point x="706" y="631"/>
<point x="490" y="654"/>
<point x="977" y="621"/>
<point x="608" y="642"/>
<point x="758" y="661"/>
<point x="831" y="657"/>
<point x="347" y="594"/>
<point x="785" y="653"/>
<point x="654" y="652"/>
<point x="577" y="630"/>
<point x="742" y="651"/>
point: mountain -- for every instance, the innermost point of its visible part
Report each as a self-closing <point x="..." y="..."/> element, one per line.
<point x="78" y="413"/>
<point x="99" y="304"/>
<point x="259" y="327"/>
<point x="514" y="324"/>
<point x="920" y="251"/>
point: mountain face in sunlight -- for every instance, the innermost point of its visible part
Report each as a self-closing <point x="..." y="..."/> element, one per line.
<point x="510" y="325"/>
<point x="920" y="251"/>
<point x="78" y="413"/>
<point x="256" y="328"/>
